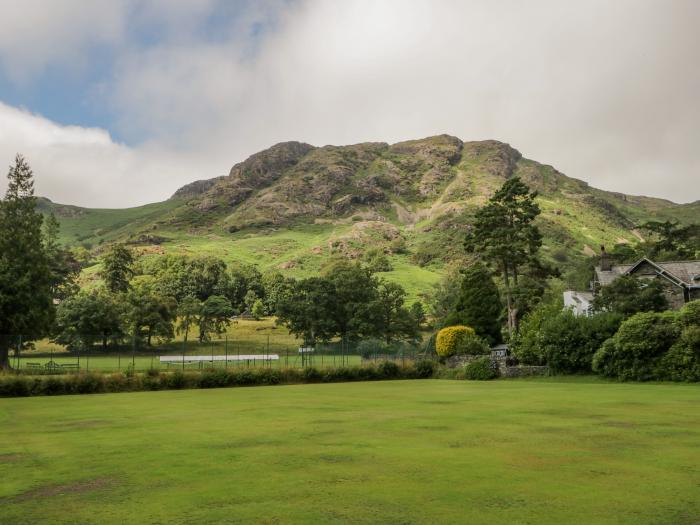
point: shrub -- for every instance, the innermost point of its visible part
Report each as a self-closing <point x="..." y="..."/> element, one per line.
<point x="682" y="362"/>
<point x="635" y="351"/>
<point x="450" y="339"/>
<point x="424" y="369"/>
<point x="311" y="375"/>
<point x="689" y="315"/>
<point x="480" y="370"/>
<point x="389" y="370"/>
<point x="473" y="345"/>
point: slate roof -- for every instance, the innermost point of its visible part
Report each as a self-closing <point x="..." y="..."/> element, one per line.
<point x="687" y="273"/>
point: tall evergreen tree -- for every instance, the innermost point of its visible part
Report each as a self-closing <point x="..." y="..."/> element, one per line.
<point x="479" y="304"/>
<point x="26" y="302"/>
<point x="504" y="236"/>
<point x="117" y="268"/>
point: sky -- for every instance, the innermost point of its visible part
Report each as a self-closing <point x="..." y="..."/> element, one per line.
<point x="120" y="102"/>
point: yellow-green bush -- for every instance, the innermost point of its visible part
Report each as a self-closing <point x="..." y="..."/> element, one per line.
<point x="451" y="338"/>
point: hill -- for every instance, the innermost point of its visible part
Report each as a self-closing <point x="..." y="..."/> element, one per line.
<point x="294" y="206"/>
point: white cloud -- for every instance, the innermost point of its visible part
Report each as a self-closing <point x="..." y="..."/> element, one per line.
<point x="605" y="91"/>
<point x="85" y="166"/>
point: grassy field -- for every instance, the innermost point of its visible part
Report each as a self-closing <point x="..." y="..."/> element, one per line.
<point x="410" y="452"/>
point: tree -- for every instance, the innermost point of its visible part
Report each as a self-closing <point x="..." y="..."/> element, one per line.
<point x="394" y="320"/>
<point x="117" y="268"/>
<point x="250" y="298"/>
<point x="504" y="235"/>
<point x="628" y="295"/>
<point x="88" y="318"/>
<point x="26" y="299"/>
<point x="417" y="313"/>
<point x="258" y="309"/>
<point x="150" y="314"/>
<point x="214" y="317"/>
<point x="354" y="300"/>
<point x="179" y="276"/>
<point x="671" y="240"/>
<point x="63" y="264"/>
<point x="479" y="304"/>
<point x="636" y="351"/>
<point x="188" y="312"/>
<point x="305" y="310"/>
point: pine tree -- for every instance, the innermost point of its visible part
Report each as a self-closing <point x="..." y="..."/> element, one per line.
<point x="505" y="237"/>
<point x="479" y="304"/>
<point x="26" y="302"/>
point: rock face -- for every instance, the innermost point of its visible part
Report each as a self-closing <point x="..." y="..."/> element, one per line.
<point x="193" y="189"/>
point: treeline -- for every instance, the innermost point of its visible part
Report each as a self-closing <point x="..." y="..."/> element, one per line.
<point x="173" y="294"/>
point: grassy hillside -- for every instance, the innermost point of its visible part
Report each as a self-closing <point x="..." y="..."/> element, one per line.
<point x="293" y="207"/>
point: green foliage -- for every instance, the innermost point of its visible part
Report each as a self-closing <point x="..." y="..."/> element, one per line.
<point x="478" y="305"/>
<point x="150" y="314"/>
<point x="451" y="340"/>
<point x="562" y="341"/>
<point x="198" y="277"/>
<point x="88" y="318"/>
<point x="215" y="315"/>
<point x="95" y="382"/>
<point x="394" y="321"/>
<point x="377" y="261"/>
<point x="27" y="281"/>
<point x="672" y="240"/>
<point x="627" y="295"/>
<point x="117" y="268"/>
<point x="258" y="309"/>
<point x="188" y="312"/>
<point x="480" y="370"/>
<point x="635" y="351"/>
<point x="505" y="237"/>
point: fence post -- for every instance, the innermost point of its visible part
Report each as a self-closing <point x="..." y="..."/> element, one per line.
<point x="133" y="353"/>
<point x="183" y="354"/>
<point x="226" y="351"/>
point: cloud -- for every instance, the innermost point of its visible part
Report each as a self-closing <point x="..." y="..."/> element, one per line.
<point x="604" y="91"/>
<point x="85" y="166"/>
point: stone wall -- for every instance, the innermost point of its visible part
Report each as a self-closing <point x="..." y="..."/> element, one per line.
<point x="523" y="371"/>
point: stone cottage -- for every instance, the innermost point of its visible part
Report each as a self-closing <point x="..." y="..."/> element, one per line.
<point x="681" y="279"/>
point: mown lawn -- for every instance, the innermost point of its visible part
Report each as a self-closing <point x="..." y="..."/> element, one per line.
<point x="434" y="452"/>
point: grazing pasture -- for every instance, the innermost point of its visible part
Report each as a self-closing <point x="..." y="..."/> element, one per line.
<point x="412" y="452"/>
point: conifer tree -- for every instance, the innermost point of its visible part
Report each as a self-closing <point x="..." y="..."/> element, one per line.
<point x="505" y="237"/>
<point x="26" y="302"/>
<point x="479" y="304"/>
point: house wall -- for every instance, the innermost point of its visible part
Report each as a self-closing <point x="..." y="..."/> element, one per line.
<point x="674" y="294"/>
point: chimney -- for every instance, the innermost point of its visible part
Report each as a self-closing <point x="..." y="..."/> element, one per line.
<point x="605" y="262"/>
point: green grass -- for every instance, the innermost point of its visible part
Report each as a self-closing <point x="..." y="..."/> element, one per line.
<point x="410" y="452"/>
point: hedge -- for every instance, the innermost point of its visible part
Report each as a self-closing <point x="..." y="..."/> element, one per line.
<point x="12" y="385"/>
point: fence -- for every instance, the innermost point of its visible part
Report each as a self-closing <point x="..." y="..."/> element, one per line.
<point x="43" y="357"/>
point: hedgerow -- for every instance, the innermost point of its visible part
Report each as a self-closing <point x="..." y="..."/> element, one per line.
<point x="94" y="382"/>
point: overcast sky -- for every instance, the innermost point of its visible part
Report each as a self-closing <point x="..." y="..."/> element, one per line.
<point x="120" y="102"/>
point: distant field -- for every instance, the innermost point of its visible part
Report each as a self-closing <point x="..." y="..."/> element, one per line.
<point x="409" y="452"/>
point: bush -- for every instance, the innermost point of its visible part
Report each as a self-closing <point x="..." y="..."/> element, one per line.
<point x="480" y="370"/>
<point x="424" y="369"/>
<point x="565" y="342"/>
<point x="449" y="340"/>
<point x="682" y="362"/>
<point x="636" y="350"/>
<point x="389" y="370"/>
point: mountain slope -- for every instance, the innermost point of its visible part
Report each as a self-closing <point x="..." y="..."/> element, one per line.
<point x="294" y="206"/>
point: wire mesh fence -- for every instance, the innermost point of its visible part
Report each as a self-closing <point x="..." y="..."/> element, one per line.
<point x="44" y="357"/>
